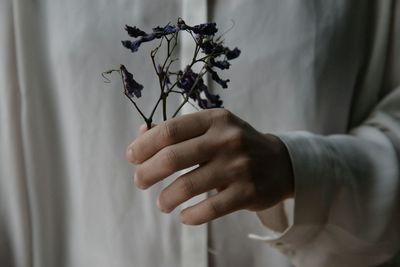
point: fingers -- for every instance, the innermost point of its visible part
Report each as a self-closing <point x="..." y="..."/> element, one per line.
<point x="198" y="181"/>
<point x="171" y="159"/>
<point x="167" y="133"/>
<point x="224" y="202"/>
<point x="143" y="128"/>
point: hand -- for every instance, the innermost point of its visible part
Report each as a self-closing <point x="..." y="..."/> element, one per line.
<point x="249" y="170"/>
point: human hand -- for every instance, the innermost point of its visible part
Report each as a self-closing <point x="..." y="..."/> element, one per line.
<point x="249" y="170"/>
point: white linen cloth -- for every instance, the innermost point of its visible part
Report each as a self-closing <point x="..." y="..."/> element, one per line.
<point x="322" y="75"/>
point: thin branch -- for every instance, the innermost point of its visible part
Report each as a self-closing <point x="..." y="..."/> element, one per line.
<point x="134" y="103"/>
<point x="194" y="38"/>
<point x="193" y="105"/>
<point x="155" y="107"/>
<point x="138" y="109"/>
<point x="225" y="32"/>
<point x="177" y="92"/>
<point x="106" y="79"/>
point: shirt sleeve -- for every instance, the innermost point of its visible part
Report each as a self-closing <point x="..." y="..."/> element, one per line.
<point x="347" y="199"/>
<point x="347" y="190"/>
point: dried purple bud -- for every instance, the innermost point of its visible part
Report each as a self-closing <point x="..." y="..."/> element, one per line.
<point x="217" y="79"/>
<point x="166" y="30"/>
<point x="132" y="88"/>
<point x="134" y="31"/>
<point x="208" y="29"/>
<point x="191" y="83"/>
<point x="186" y="79"/>
<point x="221" y="64"/>
<point x="205" y="28"/>
<point x="133" y="46"/>
<point x="232" y="54"/>
<point x="163" y="31"/>
<point x="181" y="24"/>
<point x="211" y="101"/>
<point x="209" y="47"/>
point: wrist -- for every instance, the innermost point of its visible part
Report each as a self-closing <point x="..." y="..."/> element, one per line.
<point x="283" y="166"/>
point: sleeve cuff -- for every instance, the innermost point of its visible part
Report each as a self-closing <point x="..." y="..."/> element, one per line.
<point x="309" y="169"/>
<point x="346" y="192"/>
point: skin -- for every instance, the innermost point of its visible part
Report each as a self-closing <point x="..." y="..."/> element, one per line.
<point x="243" y="167"/>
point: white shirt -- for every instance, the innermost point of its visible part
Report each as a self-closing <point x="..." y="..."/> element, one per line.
<point x="327" y="69"/>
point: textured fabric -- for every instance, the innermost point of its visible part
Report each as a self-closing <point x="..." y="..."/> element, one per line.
<point x="324" y="68"/>
<point x="193" y="239"/>
<point x="347" y="195"/>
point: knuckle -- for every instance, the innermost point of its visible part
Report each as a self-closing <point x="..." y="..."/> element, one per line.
<point x="249" y="194"/>
<point x="187" y="186"/>
<point x="244" y="195"/>
<point x="222" y="115"/>
<point x="203" y="146"/>
<point x="237" y="139"/>
<point x="170" y="158"/>
<point x="169" y="132"/>
<point x="214" y="208"/>
<point x="242" y="167"/>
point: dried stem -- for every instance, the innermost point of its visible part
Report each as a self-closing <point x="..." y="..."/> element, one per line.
<point x="163" y="72"/>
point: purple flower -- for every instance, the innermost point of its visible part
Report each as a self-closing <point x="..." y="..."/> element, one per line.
<point x="205" y="28"/>
<point x="191" y="83"/>
<point x="232" y="54"/>
<point x="221" y="64"/>
<point x="163" y="31"/>
<point x="187" y="81"/>
<point x="134" y="31"/>
<point x="157" y="33"/>
<point x="211" y="101"/>
<point x="217" y="79"/>
<point x="208" y="29"/>
<point x="133" y="46"/>
<point x="132" y="88"/>
<point x="209" y="47"/>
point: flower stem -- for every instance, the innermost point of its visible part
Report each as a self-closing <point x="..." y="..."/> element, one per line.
<point x="164" y="102"/>
<point x="147" y="120"/>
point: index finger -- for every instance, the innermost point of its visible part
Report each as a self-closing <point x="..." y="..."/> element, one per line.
<point x="143" y="128"/>
<point x="168" y="133"/>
